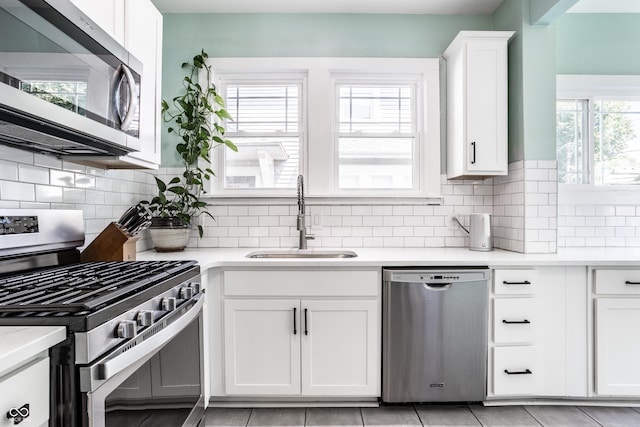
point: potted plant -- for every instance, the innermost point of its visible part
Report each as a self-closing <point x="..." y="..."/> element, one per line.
<point x="193" y="117"/>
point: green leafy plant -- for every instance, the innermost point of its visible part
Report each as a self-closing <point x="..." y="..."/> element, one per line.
<point x="195" y="117"/>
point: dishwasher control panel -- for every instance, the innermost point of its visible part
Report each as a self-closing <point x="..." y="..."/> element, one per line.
<point x="436" y="276"/>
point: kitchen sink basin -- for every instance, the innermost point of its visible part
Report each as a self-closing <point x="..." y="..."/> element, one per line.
<point x="301" y="253"/>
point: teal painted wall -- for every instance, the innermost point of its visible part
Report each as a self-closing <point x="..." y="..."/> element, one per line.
<point x="598" y="43"/>
<point x="532" y="129"/>
<point x="317" y="35"/>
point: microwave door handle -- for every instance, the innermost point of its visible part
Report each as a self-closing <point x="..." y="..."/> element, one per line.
<point x="115" y="90"/>
<point x="111" y="366"/>
<point x="126" y="122"/>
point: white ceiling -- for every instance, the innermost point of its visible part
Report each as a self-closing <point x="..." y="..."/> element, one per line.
<point x="435" y="7"/>
<point x="438" y="7"/>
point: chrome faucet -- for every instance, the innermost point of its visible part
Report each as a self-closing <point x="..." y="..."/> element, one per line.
<point x="300" y="223"/>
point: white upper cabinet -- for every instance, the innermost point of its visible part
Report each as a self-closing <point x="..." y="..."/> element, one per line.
<point x="137" y="25"/>
<point x="108" y="14"/>
<point x="477" y="104"/>
<point x="143" y="39"/>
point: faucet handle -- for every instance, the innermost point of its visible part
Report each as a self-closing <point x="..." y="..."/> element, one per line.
<point x="310" y="236"/>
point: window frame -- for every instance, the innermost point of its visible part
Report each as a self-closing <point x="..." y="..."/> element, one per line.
<point x="590" y="87"/>
<point x="319" y="100"/>
<point x="360" y="79"/>
<point x="297" y="78"/>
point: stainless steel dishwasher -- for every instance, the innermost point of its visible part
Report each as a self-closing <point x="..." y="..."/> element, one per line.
<point x="434" y="334"/>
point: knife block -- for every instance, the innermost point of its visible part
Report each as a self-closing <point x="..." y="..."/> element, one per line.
<point x="112" y="244"/>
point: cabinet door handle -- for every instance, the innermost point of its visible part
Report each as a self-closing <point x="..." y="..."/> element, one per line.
<point x="631" y="283"/>
<point x="525" y="372"/>
<point x="525" y="282"/>
<point x="306" y="331"/>
<point x="18" y="414"/>
<point x="473" y="153"/>
<point x="295" y="328"/>
<point x="513" y="322"/>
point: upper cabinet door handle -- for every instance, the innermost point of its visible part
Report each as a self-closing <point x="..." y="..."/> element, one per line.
<point x="628" y="282"/>
<point x="306" y="330"/>
<point x="473" y="152"/>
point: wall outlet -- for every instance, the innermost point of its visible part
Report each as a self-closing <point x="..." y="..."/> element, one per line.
<point x="316" y="220"/>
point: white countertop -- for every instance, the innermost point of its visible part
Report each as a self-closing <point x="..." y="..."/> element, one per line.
<point x="21" y="343"/>
<point x="391" y="257"/>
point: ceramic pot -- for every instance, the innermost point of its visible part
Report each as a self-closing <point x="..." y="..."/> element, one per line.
<point x="169" y="234"/>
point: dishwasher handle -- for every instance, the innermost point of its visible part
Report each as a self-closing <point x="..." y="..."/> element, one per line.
<point x="437" y="286"/>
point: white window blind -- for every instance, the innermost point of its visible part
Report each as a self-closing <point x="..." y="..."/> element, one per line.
<point x="267" y="130"/>
<point x="376" y="136"/>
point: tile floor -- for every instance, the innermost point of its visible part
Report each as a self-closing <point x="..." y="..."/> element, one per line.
<point x="427" y="415"/>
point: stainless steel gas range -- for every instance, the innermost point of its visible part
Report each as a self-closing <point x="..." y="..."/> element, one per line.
<point x="133" y="353"/>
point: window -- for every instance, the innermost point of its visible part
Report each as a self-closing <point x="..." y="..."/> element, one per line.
<point x="598" y="131"/>
<point x="376" y="136"/>
<point x="354" y="127"/>
<point x="267" y="130"/>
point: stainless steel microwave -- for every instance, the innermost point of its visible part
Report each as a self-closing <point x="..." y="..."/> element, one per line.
<point x="66" y="87"/>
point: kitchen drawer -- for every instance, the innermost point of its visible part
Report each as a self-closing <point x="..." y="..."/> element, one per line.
<point x="514" y="282"/>
<point x="302" y="283"/>
<point x="617" y="282"/>
<point x="26" y="385"/>
<point x="515" y="370"/>
<point x="514" y="320"/>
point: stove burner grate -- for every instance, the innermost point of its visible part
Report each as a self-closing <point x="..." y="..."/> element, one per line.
<point x="82" y="287"/>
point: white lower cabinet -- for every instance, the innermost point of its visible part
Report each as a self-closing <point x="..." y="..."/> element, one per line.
<point x="262" y="346"/>
<point x="515" y="370"/>
<point x="618" y="346"/>
<point x="617" y="336"/>
<point x="301" y="333"/>
<point x="339" y="348"/>
<point x="29" y="385"/>
<point x="539" y="342"/>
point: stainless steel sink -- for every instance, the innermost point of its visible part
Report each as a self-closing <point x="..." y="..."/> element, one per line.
<point x="301" y="253"/>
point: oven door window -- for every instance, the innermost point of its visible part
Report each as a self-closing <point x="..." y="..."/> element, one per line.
<point x="165" y="391"/>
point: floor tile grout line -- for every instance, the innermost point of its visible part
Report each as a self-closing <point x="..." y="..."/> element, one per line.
<point x="474" y="415"/>
<point x="532" y="415"/>
<point x="361" y="416"/>
<point x="417" y="414"/>
<point x="589" y="416"/>
<point x="249" y="418"/>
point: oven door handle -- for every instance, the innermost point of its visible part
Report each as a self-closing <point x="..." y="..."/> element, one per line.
<point x="93" y="376"/>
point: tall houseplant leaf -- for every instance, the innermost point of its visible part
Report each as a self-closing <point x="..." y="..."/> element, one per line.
<point x="194" y="117"/>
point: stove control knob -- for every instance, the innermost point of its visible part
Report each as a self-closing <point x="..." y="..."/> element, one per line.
<point x="197" y="288"/>
<point x="186" y="293"/>
<point x="145" y="318"/>
<point x="168" y="303"/>
<point x="126" y="329"/>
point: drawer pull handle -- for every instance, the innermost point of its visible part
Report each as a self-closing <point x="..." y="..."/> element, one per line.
<point x="525" y="282"/>
<point x="525" y="372"/>
<point x="18" y="414"/>
<point x="631" y="283"/>
<point x="513" y="322"/>
<point x="295" y="329"/>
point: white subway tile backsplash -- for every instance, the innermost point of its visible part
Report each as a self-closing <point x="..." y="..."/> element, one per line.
<point x="18" y="191"/>
<point x="32" y="174"/>
<point x="48" y="194"/>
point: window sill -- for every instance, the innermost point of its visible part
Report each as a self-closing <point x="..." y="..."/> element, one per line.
<point x="322" y="201"/>
<point x="598" y="195"/>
